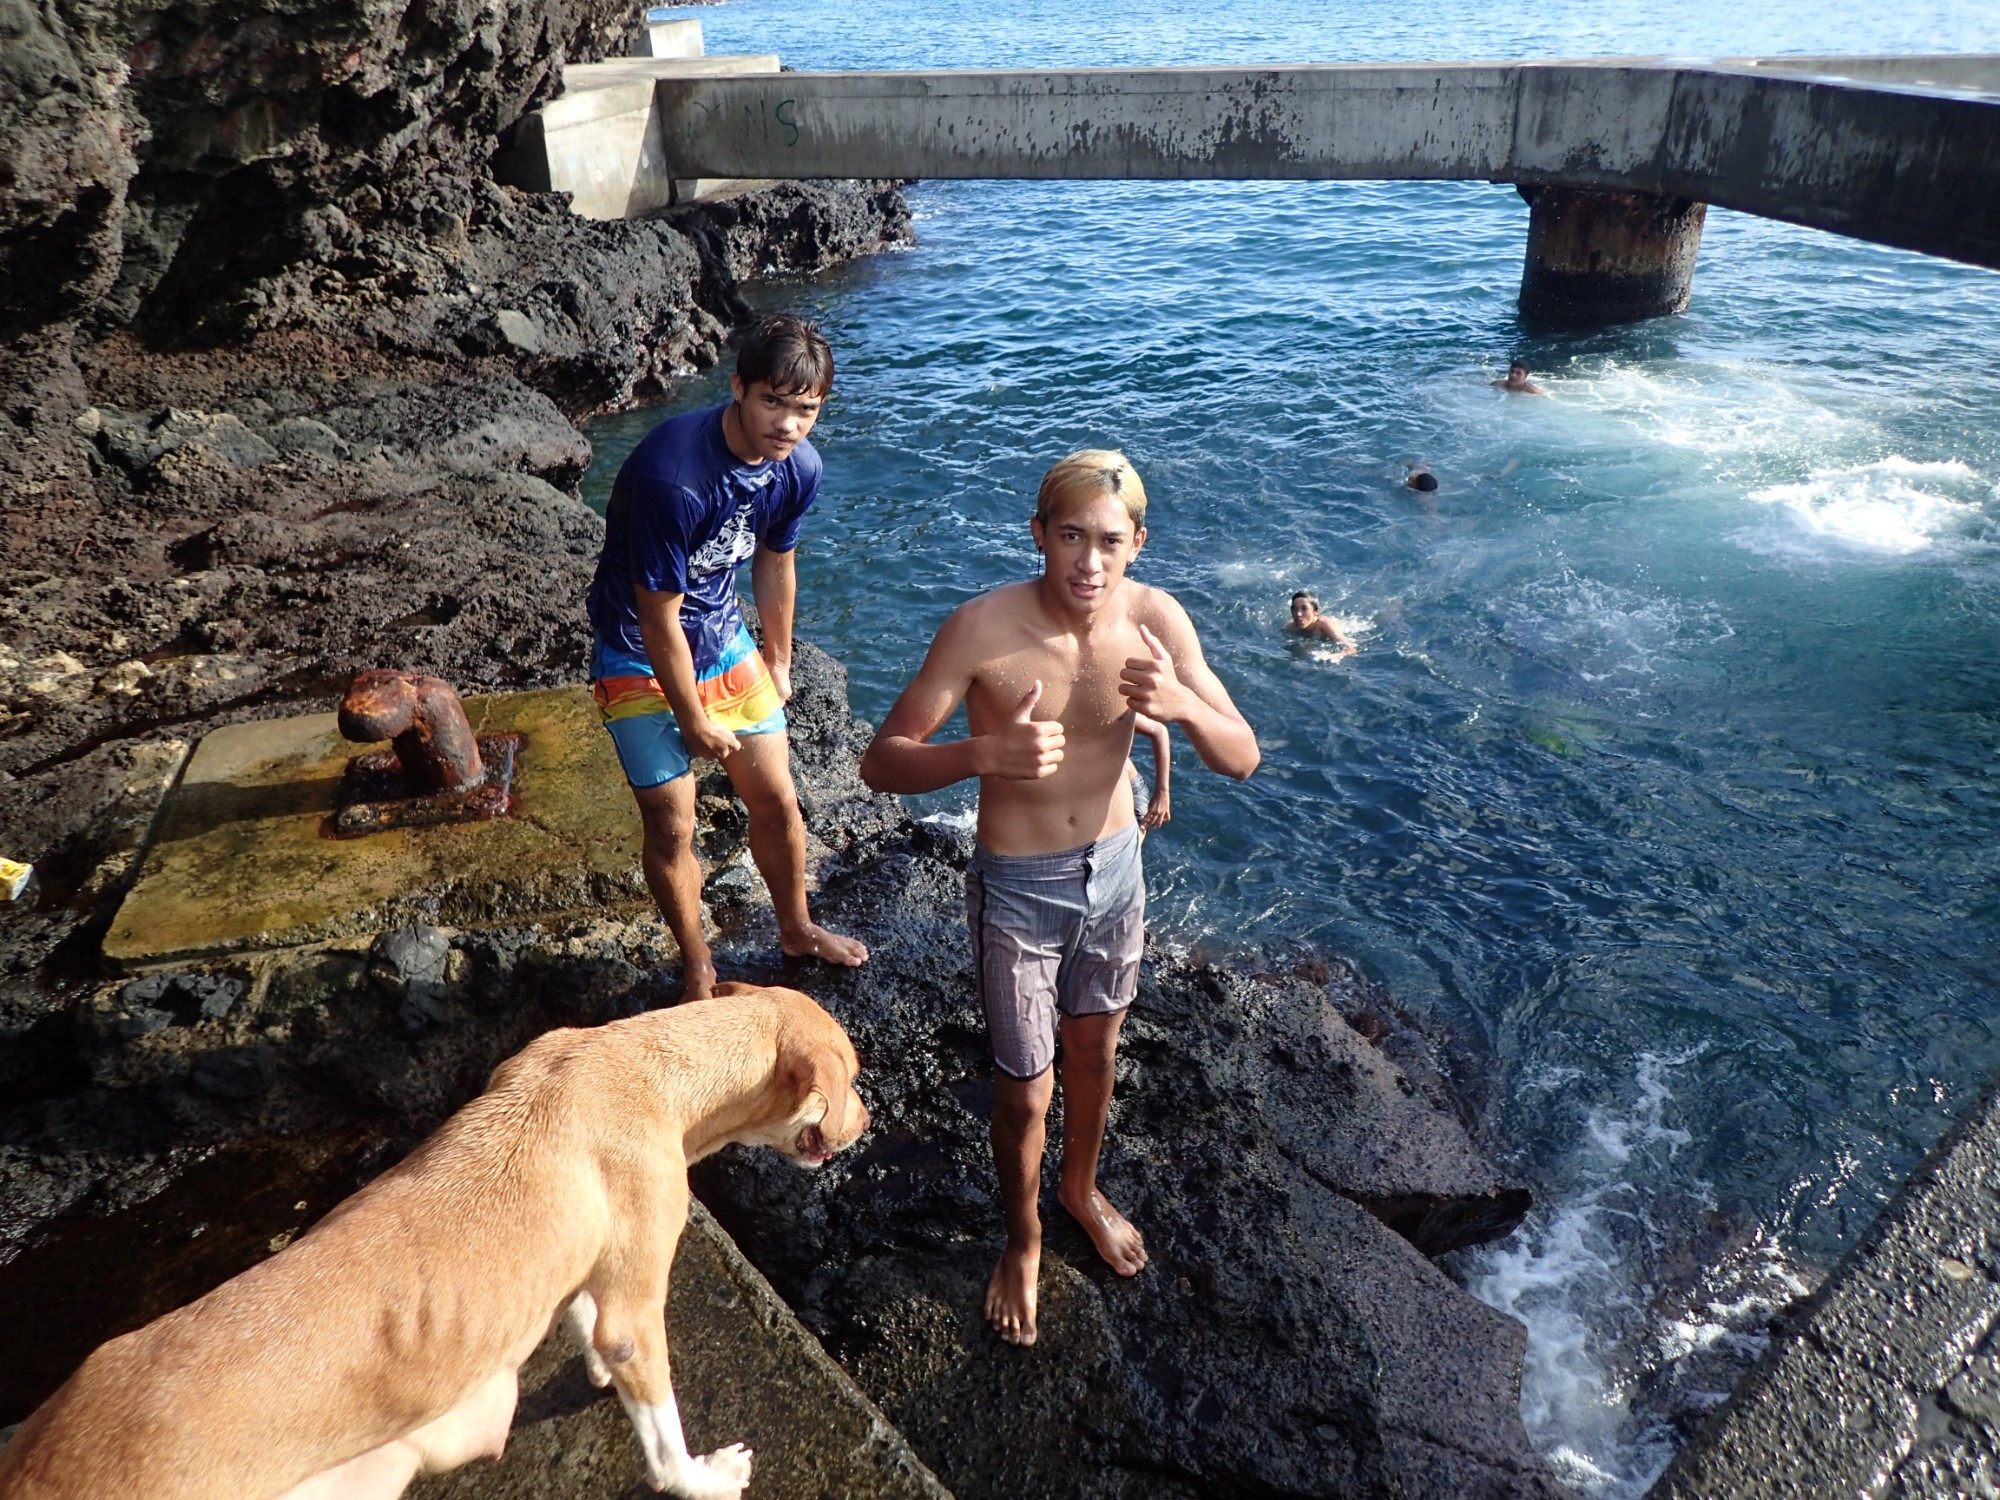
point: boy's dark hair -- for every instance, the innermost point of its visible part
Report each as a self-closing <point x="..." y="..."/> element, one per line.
<point x="1518" y="364"/>
<point x="1423" y="479"/>
<point x="1302" y="594"/>
<point x="788" y="353"/>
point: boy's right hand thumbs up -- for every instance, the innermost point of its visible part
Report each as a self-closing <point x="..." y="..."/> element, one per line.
<point x="1023" y="749"/>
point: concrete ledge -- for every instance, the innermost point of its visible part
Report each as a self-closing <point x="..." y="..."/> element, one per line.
<point x="745" y="1370"/>
<point x="1974" y="72"/>
<point x="600" y="141"/>
<point x="666" y="37"/>
<point x="1887" y="1381"/>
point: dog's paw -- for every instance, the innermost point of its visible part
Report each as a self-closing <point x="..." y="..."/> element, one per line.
<point x="720" y="1475"/>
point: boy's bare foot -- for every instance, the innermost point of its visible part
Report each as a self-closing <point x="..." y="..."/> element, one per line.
<point x="697" y="980"/>
<point x="814" y="941"/>
<point x="1010" y="1293"/>
<point x="1122" y="1247"/>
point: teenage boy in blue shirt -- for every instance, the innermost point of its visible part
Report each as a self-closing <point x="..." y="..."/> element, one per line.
<point x="676" y="675"/>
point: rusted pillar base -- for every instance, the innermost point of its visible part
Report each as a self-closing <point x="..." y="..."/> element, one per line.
<point x="1597" y="257"/>
<point x="424" y="719"/>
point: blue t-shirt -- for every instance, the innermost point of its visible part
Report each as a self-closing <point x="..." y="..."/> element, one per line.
<point x="685" y="513"/>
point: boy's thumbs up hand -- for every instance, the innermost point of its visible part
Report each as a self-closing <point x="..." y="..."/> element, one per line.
<point x="1150" y="683"/>
<point x="1022" y="749"/>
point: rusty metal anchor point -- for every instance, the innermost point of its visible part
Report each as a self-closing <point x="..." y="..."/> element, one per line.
<point x="439" y="770"/>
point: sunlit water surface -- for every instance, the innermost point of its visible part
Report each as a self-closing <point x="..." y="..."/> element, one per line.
<point x="1667" y="764"/>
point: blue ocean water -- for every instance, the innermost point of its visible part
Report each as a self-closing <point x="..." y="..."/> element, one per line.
<point x="1667" y="765"/>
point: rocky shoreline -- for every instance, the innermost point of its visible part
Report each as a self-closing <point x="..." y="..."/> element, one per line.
<point x="290" y="390"/>
<point x="1295" y="1147"/>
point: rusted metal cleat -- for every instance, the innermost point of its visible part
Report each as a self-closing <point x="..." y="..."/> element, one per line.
<point x="424" y="718"/>
<point x="439" y="771"/>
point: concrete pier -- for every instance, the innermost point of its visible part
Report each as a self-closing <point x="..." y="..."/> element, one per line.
<point x="600" y="142"/>
<point x="1597" y="258"/>
<point x="1619" y="155"/>
<point x="1887" y="1382"/>
<point x="1916" y="166"/>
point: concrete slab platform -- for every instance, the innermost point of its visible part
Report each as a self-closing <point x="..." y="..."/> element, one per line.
<point x="745" y="1371"/>
<point x="240" y="860"/>
<point x="1886" y="1383"/>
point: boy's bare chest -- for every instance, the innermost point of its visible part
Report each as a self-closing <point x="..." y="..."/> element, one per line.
<point x="1080" y="683"/>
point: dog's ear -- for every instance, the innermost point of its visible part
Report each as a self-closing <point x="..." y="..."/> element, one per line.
<point x="734" y="987"/>
<point x="817" y="1067"/>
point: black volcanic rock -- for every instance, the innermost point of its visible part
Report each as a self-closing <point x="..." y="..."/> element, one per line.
<point x="1284" y="1340"/>
<point x="1267" y="1132"/>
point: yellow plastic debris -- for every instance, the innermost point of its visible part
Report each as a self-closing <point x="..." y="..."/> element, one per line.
<point x="13" y="878"/>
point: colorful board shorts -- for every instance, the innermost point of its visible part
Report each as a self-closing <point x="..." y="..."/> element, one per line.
<point x="736" y="692"/>
<point x="1054" y="932"/>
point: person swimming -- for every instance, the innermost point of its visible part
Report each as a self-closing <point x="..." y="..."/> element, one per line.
<point x="1308" y="621"/>
<point x="1517" y="380"/>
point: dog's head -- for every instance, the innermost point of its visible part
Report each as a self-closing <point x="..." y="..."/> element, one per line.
<point x="813" y="1077"/>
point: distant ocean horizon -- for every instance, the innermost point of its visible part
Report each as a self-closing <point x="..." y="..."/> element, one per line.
<point x="1666" y="769"/>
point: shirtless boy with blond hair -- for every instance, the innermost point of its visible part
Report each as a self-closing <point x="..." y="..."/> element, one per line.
<point x="1053" y="674"/>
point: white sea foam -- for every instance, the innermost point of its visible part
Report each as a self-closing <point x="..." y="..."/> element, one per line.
<point x="1546" y="1077"/>
<point x="1609" y="638"/>
<point x="964" y="820"/>
<point x="1359" y="629"/>
<point x="1894" y="507"/>
<point x="1250" y="573"/>
<point x="1571" y="1275"/>
<point x="1724" y="410"/>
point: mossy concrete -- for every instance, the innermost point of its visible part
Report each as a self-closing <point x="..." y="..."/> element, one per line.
<point x="241" y="859"/>
<point x="745" y="1371"/>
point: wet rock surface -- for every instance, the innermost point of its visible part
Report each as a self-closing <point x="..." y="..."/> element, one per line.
<point x="1882" y="1381"/>
<point x="1284" y="1340"/>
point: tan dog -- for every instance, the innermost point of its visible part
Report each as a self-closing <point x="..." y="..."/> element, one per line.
<point x="387" y="1341"/>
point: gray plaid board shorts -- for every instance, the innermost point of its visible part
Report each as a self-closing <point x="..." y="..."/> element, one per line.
<point x="1054" y="932"/>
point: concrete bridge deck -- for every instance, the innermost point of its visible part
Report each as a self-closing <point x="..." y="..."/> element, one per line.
<point x="1619" y="157"/>
<point x="1901" y="151"/>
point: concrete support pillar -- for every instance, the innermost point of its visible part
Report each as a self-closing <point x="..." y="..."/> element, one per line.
<point x="1600" y="257"/>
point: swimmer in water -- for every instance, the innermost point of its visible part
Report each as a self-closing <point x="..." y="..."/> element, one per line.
<point x="1518" y="382"/>
<point x="1308" y="621"/>
<point x="1421" y="478"/>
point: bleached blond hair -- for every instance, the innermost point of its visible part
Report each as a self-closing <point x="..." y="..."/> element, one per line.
<point x="1083" y="477"/>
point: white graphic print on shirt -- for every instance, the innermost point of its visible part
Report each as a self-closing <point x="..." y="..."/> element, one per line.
<point x="735" y="543"/>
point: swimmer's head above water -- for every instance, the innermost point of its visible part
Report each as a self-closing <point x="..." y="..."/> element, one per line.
<point x="1308" y="621"/>
<point x="1420" y="477"/>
